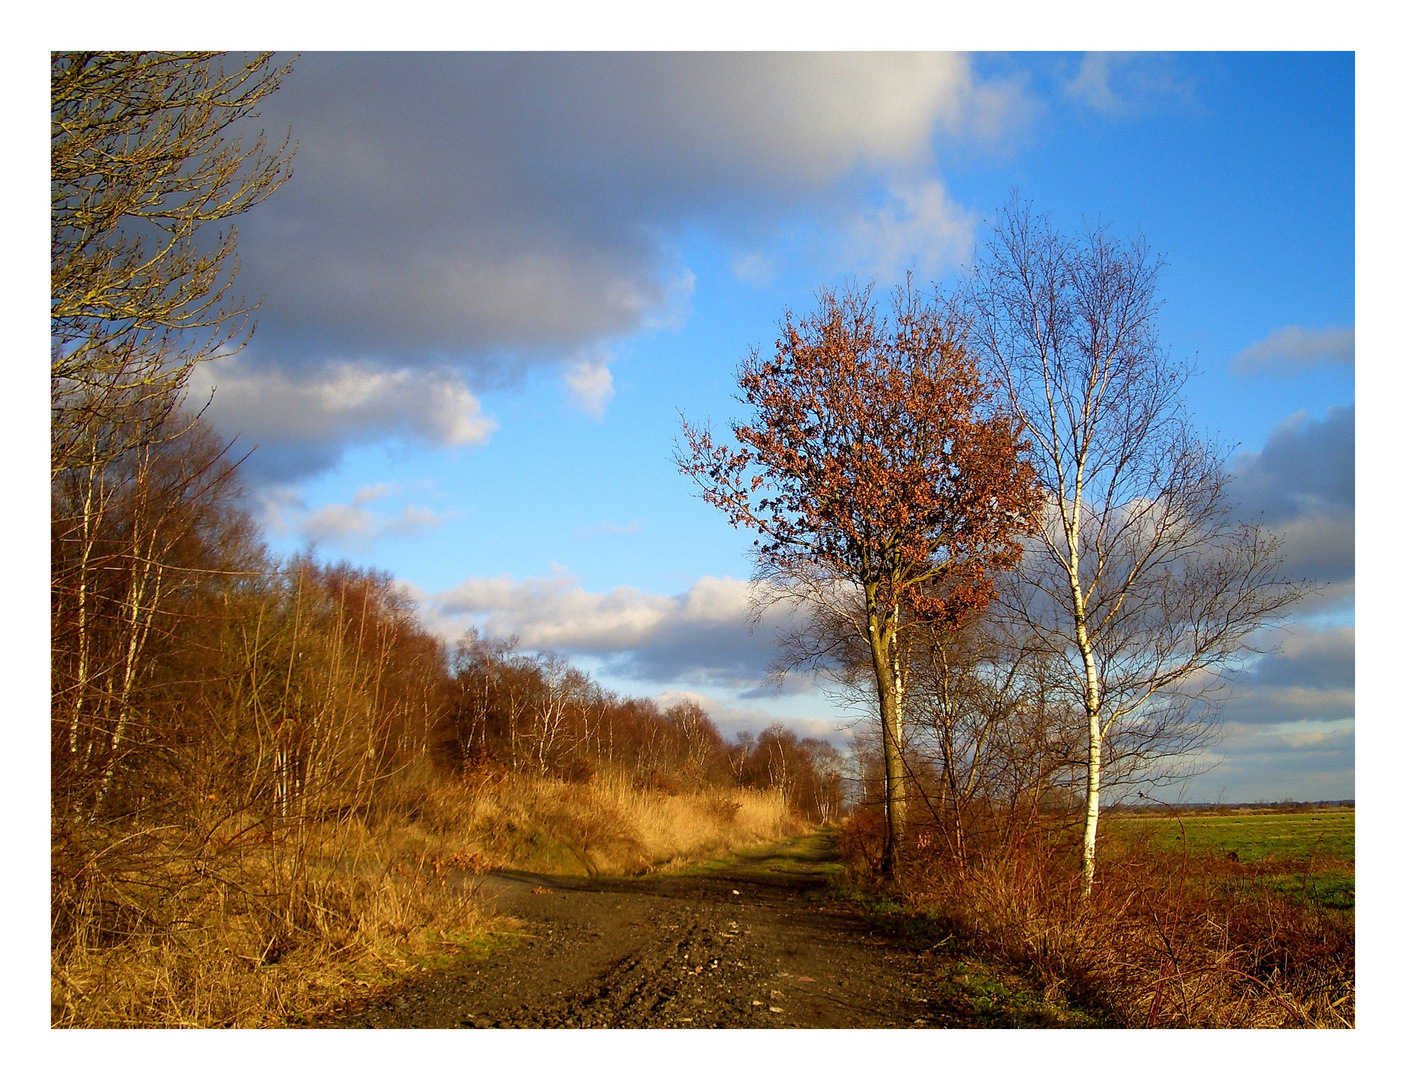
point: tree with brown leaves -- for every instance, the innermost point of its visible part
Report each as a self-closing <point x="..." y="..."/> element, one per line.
<point x="884" y="483"/>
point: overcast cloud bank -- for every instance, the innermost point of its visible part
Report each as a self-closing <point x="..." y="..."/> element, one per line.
<point x="1303" y="483"/>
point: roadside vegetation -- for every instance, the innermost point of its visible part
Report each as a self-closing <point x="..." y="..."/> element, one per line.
<point x="1009" y="548"/>
<point x="290" y="800"/>
<point x="1241" y="920"/>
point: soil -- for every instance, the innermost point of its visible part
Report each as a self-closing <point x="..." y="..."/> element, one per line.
<point x="761" y="940"/>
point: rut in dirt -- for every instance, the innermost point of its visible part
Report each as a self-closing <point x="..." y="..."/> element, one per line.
<point x="761" y="940"/>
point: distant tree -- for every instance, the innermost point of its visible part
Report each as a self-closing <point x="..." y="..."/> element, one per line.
<point x="144" y="158"/>
<point x="884" y="483"/>
<point x="703" y="755"/>
<point x="1142" y="578"/>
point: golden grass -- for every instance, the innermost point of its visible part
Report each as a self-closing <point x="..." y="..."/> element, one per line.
<point x="194" y="928"/>
<point x="284" y="928"/>
<point x="607" y="825"/>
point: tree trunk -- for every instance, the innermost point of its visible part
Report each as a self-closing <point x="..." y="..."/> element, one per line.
<point x="1092" y="705"/>
<point x="1086" y="860"/>
<point x="891" y="723"/>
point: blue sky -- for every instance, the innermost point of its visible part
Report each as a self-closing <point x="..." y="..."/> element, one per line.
<point x="496" y="279"/>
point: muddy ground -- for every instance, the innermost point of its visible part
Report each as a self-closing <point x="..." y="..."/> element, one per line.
<point x="762" y="940"/>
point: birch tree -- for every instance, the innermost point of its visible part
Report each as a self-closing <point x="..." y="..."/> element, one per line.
<point x="1145" y="581"/>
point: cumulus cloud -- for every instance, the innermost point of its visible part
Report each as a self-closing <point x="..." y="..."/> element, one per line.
<point x="474" y="215"/>
<point x="703" y="636"/>
<point x="917" y="227"/>
<point x="1303" y="483"/>
<point x="301" y="419"/>
<point x="754" y="267"/>
<point x="732" y="720"/>
<point x="1124" y="84"/>
<point x="358" y="526"/>
<point x="1309" y="678"/>
<point x="1296" y="762"/>
<point x="351" y="524"/>
<point x="1292" y="349"/>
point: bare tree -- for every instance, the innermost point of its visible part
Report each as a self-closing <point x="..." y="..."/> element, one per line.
<point x="131" y="542"/>
<point x="142" y="159"/>
<point x="1145" y="582"/>
<point x="883" y="481"/>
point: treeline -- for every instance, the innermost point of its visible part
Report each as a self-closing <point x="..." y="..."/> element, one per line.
<point x="241" y="742"/>
<point x="538" y="714"/>
<point x="191" y="667"/>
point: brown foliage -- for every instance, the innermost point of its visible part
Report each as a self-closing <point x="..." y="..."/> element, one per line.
<point x="875" y="455"/>
<point x="1162" y="940"/>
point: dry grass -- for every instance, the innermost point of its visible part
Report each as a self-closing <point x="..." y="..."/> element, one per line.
<point x="1164" y="941"/>
<point x="607" y="825"/>
<point x="229" y="924"/>
<point x="251" y="936"/>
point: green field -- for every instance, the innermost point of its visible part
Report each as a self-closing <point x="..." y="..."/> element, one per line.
<point x="1307" y="856"/>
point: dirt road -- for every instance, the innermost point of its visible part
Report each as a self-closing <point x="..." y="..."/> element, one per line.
<point x="758" y="941"/>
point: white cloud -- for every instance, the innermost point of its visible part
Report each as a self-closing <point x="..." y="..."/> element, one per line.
<point x="675" y="307"/>
<point x="732" y="720"/>
<point x="1310" y="677"/>
<point x="351" y="524"/>
<point x="917" y="228"/>
<point x="357" y="526"/>
<point x="609" y="528"/>
<point x="1299" y="740"/>
<point x="471" y="205"/>
<point x="754" y="268"/>
<point x="301" y="418"/>
<point x="717" y="600"/>
<point x="1290" y="761"/>
<point x="1292" y="349"/>
<point x="704" y="636"/>
<point x="456" y="219"/>
<point x="591" y="385"/>
<point x="556" y="613"/>
<point x="1303" y="485"/>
